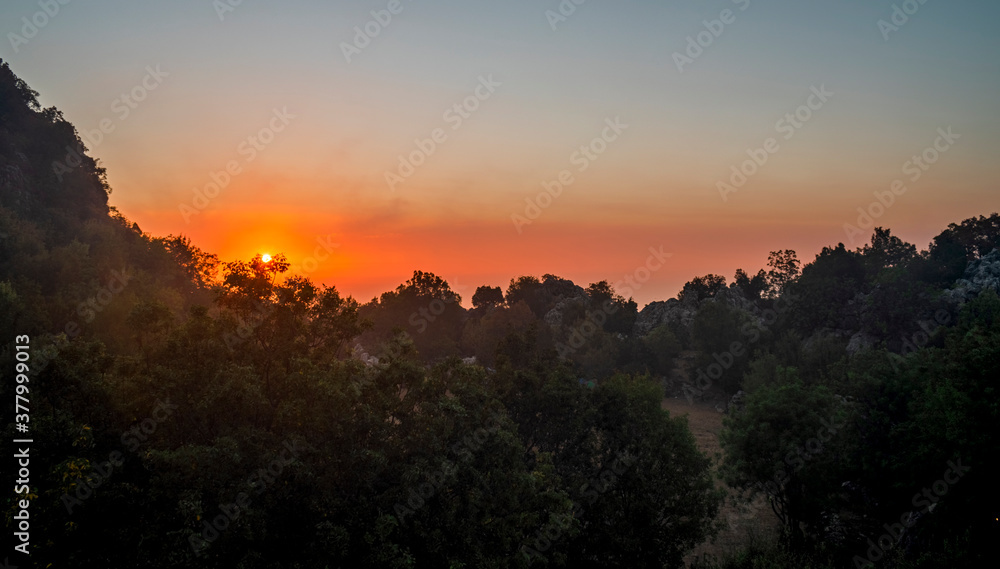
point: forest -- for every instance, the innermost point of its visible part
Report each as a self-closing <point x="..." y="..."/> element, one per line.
<point x="189" y="412"/>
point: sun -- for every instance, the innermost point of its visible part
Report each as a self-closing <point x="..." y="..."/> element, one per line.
<point x="266" y="258"/>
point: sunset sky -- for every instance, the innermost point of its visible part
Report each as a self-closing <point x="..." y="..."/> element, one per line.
<point x="214" y="81"/>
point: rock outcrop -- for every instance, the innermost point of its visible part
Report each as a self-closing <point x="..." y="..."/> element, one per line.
<point x="662" y="312"/>
<point x="980" y="275"/>
<point x="555" y="316"/>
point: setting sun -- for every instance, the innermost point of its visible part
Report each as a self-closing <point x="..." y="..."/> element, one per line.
<point x="512" y="241"/>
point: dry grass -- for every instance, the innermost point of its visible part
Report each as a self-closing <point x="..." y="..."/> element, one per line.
<point x="739" y="520"/>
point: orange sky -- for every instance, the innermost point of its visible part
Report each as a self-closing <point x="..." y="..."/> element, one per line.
<point x="502" y="103"/>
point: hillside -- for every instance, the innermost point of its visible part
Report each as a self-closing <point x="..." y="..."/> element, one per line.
<point x="197" y="413"/>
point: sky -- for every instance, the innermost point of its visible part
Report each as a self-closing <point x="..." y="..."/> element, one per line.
<point x="482" y="141"/>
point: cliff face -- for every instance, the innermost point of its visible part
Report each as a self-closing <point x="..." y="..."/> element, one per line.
<point x="664" y="312"/>
<point x="980" y="275"/>
<point x="45" y="174"/>
<point x="683" y="312"/>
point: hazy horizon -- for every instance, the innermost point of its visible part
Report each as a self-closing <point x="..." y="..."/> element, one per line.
<point x="235" y="233"/>
<point x="546" y="87"/>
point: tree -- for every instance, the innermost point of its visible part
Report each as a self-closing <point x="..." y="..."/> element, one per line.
<point x="752" y="287"/>
<point x="887" y="251"/>
<point x="334" y="320"/>
<point x="275" y="323"/>
<point x="429" y="285"/>
<point x="664" y="346"/>
<point x="825" y="287"/>
<point x="700" y="288"/>
<point x="783" y="444"/>
<point x="643" y="491"/>
<point x="487" y="297"/>
<point x="425" y="308"/>
<point x="784" y="269"/>
<point x="953" y="249"/>
<point x="601" y="292"/>
<point x="199" y="265"/>
<point x="149" y="320"/>
<point x="482" y="337"/>
<point x="717" y="329"/>
<point x="621" y="313"/>
<point x="923" y="412"/>
<point x="541" y="295"/>
<point x="977" y="236"/>
<point x="664" y="502"/>
<point x="588" y="474"/>
<point x="250" y="286"/>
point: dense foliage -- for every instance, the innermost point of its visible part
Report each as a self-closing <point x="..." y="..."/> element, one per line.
<point x="193" y="413"/>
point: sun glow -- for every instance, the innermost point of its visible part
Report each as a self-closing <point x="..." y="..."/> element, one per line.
<point x="266" y="258"/>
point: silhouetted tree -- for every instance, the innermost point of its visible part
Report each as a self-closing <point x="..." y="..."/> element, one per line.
<point x="784" y="268"/>
<point x="487" y="297"/>
<point x="752" y="287"/>
<point x="700" y="288"/>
